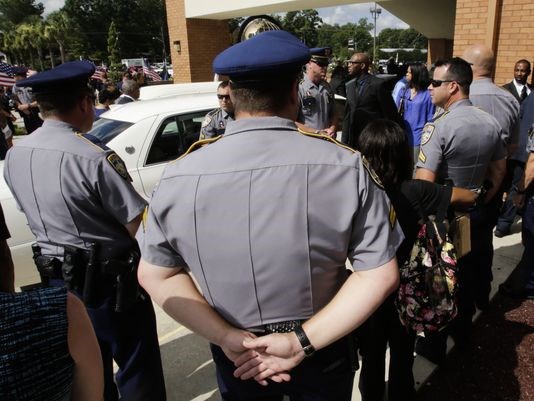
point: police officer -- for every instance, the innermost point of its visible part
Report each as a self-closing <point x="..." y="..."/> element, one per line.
<point x="316" y="98"/>
<point x="216" y="120"/>
<point x="520" y="284"/>
<point x="84" y="212"/>
<point x="463" y="147"/>
<point x="275" y="256"/>
<point x="25" y="102"/>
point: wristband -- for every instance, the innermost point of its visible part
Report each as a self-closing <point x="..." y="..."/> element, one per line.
<point x="304" y="341"/>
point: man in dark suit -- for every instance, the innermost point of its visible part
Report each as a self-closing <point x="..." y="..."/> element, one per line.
<point x="367" y="99"/>
<point x="519" y="86"/>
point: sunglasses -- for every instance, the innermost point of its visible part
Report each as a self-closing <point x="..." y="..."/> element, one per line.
<point x="355" y="62"/>
<point x="437" y="82"/>
<point x="225" y="97"/>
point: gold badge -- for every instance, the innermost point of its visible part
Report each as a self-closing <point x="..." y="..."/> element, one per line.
<point x="428" y="130"/>
<point x="119" y="166"/>
<point x="207" y="121"/>
<point x="372" y="173"/>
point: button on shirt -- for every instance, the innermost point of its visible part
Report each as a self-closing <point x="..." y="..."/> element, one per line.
<point x="69" y="191"/>
<point x="316" y="104"/>
<point x="460" y="144"/>
<point x="265" y="228"/>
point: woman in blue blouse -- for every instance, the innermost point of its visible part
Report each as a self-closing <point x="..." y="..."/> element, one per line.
<point x="414" y="105"/>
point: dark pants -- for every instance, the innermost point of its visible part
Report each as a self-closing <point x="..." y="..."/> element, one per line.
<point x="129" y="338"/>
<point x="381" y="328"/>
<point x="522" y="278"/>
<point x="327" y="376"/>
<point x="32" y="121"/>
<point x="514" y="172"/>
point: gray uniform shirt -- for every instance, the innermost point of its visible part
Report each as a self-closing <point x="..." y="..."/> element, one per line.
<point x="460" y="144"/>
<point x="214" y="123"/>
<point x="316" y="104"/>
<point x="71" y="190"/>
<point x="265" y="228"/>
<point x="500" y="103"/>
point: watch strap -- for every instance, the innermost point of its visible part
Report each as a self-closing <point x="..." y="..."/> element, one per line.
<point x="307" y="347"/>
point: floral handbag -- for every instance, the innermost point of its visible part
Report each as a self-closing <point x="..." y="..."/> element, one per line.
<point x="426" y="300"/>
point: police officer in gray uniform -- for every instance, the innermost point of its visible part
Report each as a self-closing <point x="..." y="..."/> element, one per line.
<point x="316" y="98"/>
<point x="25" y="102"/>
<point x="216" y="120"/>
<point x="275" y="258"/>
<point x="84" y="212"/>
<point x="463" y="147"/>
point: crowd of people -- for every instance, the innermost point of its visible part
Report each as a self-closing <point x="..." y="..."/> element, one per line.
<point x="246" y="238"/>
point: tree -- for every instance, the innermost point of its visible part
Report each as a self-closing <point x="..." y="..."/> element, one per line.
<point x="16" y="12"/>
<point x="115" y="67"/>
<point x="338" y="37"/>
<point x="304" y="24"/>
<point x="56" y="29"/>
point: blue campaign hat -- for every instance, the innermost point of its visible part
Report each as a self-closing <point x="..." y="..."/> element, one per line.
<point x="265" y="55"/>
<point x="321" y="55"/>
<point x="71" y="75"/>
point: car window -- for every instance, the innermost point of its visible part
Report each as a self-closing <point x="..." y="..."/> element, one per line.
<point x="106" y="129"/>
<point x="174" y="136"/>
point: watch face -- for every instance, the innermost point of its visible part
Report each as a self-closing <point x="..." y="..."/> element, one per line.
<point x="309" y="350"/>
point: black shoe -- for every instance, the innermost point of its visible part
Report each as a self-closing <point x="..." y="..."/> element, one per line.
<point x="435" y="352"/>
<point x="511" y="293"/>
<point x="500" y="234"/>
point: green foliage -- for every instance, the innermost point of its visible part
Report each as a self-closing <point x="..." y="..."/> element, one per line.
<point x="304" y="24"/>
<point x="338" y="37"/>
<point x="115" y="68"/>
<point x="401" y="38"/>
<point x="18" y="11"/>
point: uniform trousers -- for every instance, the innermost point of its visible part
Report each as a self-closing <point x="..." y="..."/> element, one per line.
<point x="514" y="172"/>
<point x="129" y="338"/>
<point x="522" y="278"/>
<point x="382" y="328"/>
<point x="326" y="376"/>
<point x="32" y="121"/>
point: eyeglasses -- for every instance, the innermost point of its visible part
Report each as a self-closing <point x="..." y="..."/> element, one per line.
<point x="225" y="97"/>
<point x="355" y="62"/>
<point x="437" y="82"/>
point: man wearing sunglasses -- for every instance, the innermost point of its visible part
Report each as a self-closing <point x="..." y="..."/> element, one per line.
<point x="215" y="122"/>
<point x="368" y="98"/>
<point x="463" y="146"/>
<point x="316" y="99"/>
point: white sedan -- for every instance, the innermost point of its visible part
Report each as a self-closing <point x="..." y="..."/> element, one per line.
<point x="145" y="134"/>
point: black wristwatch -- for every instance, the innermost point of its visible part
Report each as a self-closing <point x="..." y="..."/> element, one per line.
<point x="308" y="349"/>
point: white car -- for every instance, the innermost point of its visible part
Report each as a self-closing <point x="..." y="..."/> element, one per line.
<point x="145" y="134"/>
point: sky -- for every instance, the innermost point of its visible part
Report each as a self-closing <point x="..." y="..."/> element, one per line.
<point x="330" y="15"/>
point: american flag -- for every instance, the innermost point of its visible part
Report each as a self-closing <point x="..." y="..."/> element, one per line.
<point x="6" y="75"/>
<point x="149" y="72"/>
<point x="99" y="73"/>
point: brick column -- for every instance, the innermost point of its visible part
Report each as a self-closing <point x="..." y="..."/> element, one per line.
<point x="200" y="40"/>
<point x="438" y="49"/>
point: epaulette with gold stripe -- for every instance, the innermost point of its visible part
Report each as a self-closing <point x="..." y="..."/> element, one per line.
<point x="326" y="138"/>
<point x="199" y="144"/>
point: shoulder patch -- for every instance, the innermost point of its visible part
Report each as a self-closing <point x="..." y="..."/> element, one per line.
<point x="325" y="138"/>
<point x="207" y="120"/>
<point x="199" y="144"/>
<point x="119" y="166"/>
<point x="428" y="130"/>
<point x="372" y="173"/>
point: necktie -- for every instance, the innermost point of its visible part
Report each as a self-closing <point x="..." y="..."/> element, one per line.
<point x="524" y="93"/>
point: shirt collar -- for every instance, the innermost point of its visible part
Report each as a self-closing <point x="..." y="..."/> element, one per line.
<point x="57" y="124"/>
<point x="272" y="123"/>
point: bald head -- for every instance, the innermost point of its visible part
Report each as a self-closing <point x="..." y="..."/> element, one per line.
<point x="482" y="60"/>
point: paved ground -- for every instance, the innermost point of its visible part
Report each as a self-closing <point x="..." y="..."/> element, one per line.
<point x="189" y="370"/>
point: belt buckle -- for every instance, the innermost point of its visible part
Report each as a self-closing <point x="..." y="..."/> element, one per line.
<point x="282" y="327"/>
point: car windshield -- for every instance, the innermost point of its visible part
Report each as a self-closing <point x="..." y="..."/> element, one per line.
<point x="106" y="129"/>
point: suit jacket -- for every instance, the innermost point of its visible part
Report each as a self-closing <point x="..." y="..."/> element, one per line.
<point x="510" y="87"/>
<point x="364" y="104"/>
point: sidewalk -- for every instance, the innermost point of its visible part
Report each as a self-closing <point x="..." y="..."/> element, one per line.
<point x="190" y="373"/>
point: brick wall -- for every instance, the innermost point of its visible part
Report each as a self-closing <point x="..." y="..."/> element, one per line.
<point x="513" y="31"/>
<point x="200" y="41"/>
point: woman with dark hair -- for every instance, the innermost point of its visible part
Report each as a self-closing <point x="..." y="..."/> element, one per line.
<point x="385" y="147"/>
<point x="414" y="105"/>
